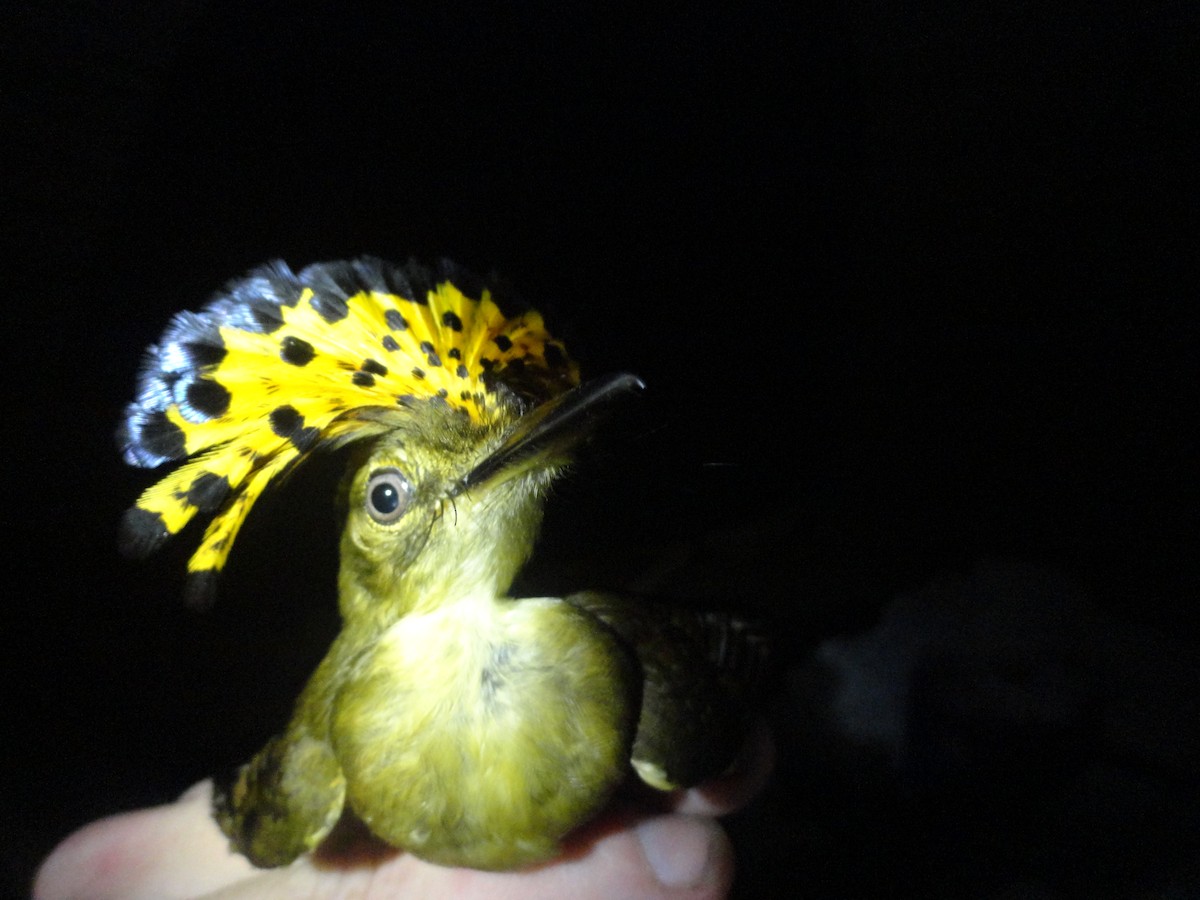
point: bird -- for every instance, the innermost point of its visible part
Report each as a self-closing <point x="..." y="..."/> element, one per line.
<point x="456" y="722"/>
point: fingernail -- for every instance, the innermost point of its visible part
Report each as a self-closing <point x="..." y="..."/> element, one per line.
<point x="678" y="849"/>
<point x="202" y="789"/>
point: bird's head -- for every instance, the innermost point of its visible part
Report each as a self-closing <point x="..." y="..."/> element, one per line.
<point x="440" y="508"/>
<point x="459" y="417"/>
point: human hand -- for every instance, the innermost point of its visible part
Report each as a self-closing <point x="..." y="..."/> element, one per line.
<point x="177" y="851"/>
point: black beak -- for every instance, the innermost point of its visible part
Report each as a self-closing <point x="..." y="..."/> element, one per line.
<point x="553" y="427"/>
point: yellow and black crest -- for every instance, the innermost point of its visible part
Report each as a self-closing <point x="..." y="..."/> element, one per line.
<point x="281" y="363"/>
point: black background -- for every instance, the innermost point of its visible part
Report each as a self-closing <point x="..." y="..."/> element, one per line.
<point x="910" y="284"/>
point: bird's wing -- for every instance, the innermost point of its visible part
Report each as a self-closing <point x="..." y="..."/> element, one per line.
<point x="699" y="671"/>
<point x="284" y="801"/>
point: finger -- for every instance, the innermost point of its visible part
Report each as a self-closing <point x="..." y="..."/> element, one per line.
<point x="733" y="790"/>
<point x="165" y="852"/>
<point x="664" y="857"/>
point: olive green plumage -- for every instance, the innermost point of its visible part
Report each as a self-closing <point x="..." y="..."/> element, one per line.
<point x="456" y="722"/>
<point x="462" y="725"/>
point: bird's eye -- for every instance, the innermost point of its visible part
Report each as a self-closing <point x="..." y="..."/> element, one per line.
<point x="388" y="495"/>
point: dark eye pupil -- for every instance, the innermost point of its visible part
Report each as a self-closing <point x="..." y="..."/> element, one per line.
<point x="385" y="498"/>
